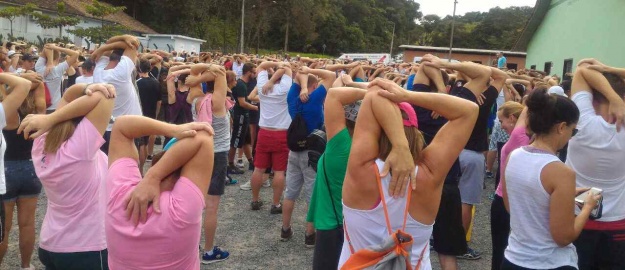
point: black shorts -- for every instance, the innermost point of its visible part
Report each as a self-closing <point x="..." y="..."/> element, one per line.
<point x="89" y="260"/>
<point x="507" y="265"/>
<point x="328" y="249"/>
<point x="21" y="180"/>
<point x="601" y="249"/>
<point x="254" y="117"/>
<point x="449" y="235"/>
<point x="240" y="128"/>
<point x="218" y="179"/>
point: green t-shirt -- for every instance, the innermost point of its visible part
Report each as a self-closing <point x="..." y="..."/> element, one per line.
<point x="334" y="158"/>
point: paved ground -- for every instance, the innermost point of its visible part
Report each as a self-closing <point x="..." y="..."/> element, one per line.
<point x="252" y="237"/>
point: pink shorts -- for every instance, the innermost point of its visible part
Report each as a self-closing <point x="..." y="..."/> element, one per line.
<point x="271" y="150"/>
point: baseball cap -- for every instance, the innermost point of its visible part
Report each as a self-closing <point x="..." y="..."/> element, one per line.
<point x="28" y="57"/>
<point x="10" y="53"/>
<point x="558" y="90"/>
<point x="351" y="110"/>
<point x="412" y="115"/>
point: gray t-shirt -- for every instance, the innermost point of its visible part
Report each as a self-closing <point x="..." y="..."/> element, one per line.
<point x="53" y="80"/>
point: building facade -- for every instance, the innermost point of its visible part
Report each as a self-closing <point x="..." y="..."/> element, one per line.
<point x="174" y="43"/>
<point x="26" y="27"/>
<point x="562" y="32"/>
<point x="515" y="60"/>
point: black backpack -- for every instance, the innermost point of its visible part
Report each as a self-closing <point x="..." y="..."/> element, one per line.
<point x="316" y="145"/>
<point x="297" y="134"/>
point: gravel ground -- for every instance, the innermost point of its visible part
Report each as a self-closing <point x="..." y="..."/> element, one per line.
<point x="252" y="237"/>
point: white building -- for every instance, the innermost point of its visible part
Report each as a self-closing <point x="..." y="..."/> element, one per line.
<point x="174" y="43"/>
<point x="26" y="27"/>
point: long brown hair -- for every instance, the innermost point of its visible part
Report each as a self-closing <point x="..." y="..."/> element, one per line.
<point x="27" y="107"/>
<point x="415" y="142"/>
<point x="59" y="134"/>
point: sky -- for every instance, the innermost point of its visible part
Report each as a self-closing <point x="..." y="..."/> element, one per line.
<point x="443" y="8"/>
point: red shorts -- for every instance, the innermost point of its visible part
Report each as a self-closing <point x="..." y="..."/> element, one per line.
<point x="271" y="150"/>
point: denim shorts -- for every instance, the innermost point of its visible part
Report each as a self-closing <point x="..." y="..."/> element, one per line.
<point x="21" y="180"/>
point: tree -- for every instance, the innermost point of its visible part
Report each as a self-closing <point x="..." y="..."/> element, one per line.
<point x="104" y="31"/>
<point x="59" y="21"/>
<point x="10" y="13"/>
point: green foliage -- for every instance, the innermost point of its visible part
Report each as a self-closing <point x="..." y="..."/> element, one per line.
<point x="59" y="21"/>
<point x="103" y="32"/>
<point x="342" y="25"/>
<point x="11" y="12"/>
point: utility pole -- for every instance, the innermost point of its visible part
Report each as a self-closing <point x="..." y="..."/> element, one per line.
<point x="453" y="23"/>
<point x="242" y="24"/>
<point x="392" y="39"/>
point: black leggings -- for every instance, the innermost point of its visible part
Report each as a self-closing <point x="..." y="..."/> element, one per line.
<point x="507" y="265"/>
<point x="328" y="248"/>
<point x="499" y="230"/>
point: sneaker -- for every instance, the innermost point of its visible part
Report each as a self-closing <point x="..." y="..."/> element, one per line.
<point x="250" y="166"/>
<point x="158" y="141"/>
<point x="309" y="240"/>
<point x="240" y="164"/>
<point x="489" y="175"/>
<point x="285" y="235"/>
<point x="234" y="170"/>
<point x="470" y="255"/>
<point x="276" y="209"/>
<point x="217" y="256"/>
<point x="149" y="158"/>
<point x="267" y="183"/>
<point x="30" y="267"/>
<point x="230" y="181"/>
<point x="246" y="186"/>
<point x="257" y="205"/>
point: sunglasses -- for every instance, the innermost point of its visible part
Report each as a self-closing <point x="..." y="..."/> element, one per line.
<point x="574" y="132"/>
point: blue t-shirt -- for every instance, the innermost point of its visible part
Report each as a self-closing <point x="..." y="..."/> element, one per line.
<point x="312" y="111"/>
<point x="501" y="62"/>
<point x="410" y="82"/>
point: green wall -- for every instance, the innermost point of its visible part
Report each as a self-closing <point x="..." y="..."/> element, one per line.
<point x="579" y="29"/>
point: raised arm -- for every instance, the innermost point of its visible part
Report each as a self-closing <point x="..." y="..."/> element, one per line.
<point x="438" y="157"/>
<point x="94" y="101"/>
<point x="478" y="75"/>
<point x="12" y="101"/>
<point x="499" y="78"/>
<point x="334" y="107"/>
<point x="72" y="56"/>
<point x="327" y="77"/>
<point x="587" y="79"/>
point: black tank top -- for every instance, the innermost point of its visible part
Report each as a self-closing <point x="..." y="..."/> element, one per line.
<point x="17" y="147"/>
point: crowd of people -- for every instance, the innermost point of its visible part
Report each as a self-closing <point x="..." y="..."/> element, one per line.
<point x="391" y="159"/>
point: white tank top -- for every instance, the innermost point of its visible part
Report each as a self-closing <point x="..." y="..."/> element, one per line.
<point x="368" y="227"/>
<point x="531" y="244"/>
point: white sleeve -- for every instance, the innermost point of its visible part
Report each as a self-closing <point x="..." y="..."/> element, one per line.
<point x="3" y="117"/>
<point x="583" y="100"/>
<point x="99" y="68"/>
<point x="40" y="65"/>
<point x="123" y="70"/>
<point x="261" y="80"/>
<point x="285" y="85"/>
<point x="61" y="68"/>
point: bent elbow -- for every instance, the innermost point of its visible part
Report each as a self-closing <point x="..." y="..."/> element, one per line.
<point x="563" y="240"/>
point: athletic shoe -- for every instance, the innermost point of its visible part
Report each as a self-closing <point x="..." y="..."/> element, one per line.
<point x="149" y="158"/>
<point x="250" y="166"/>
<point x="234" y="170"/>
<point x="489" y="175"/>
<point x="240" y="164"/>
<point x="230" y="181"/>
<point x="309" y="240"/>
<point x="276" y="209"/>
<point x="256" y="205"/>
<point x="217" y="256"/>
<point x="267" y="183"/>
<point x="285" y="235"/>
<point x="246" y="186"/>
<point x="158" y="141"/>
<point x="30" y="267"/>
<point x="470" y="255"/>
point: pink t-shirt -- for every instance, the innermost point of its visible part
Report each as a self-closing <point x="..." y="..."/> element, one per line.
<point x="517" y="139"/>
<point x="168" y="240"/>
<point x="73" y="179"/>
<point x="205" y="112"/>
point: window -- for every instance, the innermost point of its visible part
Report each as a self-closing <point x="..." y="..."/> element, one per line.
<point x="548" y="66"/>
<point x="567" y="68"/>
<point x="511" y="66"/>
<point x="533" y="67"/>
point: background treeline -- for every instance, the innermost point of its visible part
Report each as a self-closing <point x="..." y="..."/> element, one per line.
<point x="340" y="25"/>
